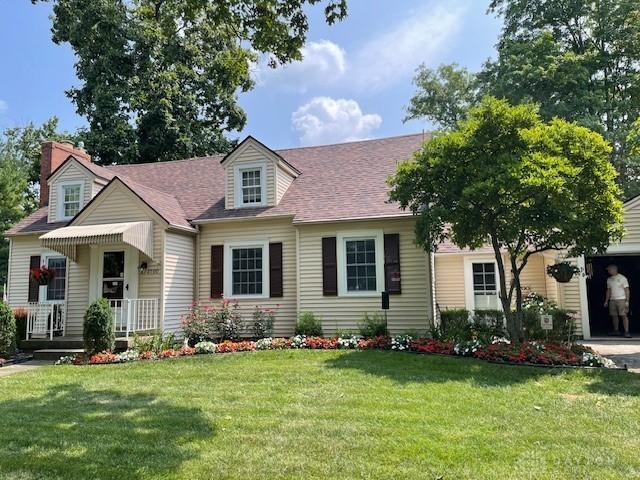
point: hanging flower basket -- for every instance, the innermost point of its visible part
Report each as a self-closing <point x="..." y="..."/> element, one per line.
<point x="563" y="272"/>
<point x="42" y="275"/>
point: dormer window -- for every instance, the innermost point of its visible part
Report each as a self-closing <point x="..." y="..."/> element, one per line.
<point x="70" y="196"/>
<point x="250" y="181"/>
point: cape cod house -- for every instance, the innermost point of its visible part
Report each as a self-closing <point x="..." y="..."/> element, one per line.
<point x="303" y="229"/>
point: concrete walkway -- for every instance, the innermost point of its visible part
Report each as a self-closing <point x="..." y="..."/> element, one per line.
<point x="22" y="367"/>
<point x="621" y="351"/>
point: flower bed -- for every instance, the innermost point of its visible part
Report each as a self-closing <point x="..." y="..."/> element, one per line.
<point x="500" y="350"/>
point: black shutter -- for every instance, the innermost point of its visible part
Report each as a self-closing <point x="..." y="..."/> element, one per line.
<point x="217" y="271"/>
<point x="392" y="263"/>
<point x="275" y="269"/>
<point x="329" y="267"/>
<point x="34" y="288"/>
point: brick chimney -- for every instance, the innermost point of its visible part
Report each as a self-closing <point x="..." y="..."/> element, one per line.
<point x="53" y="155"/>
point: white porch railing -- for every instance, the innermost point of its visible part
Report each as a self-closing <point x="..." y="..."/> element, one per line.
<point x="135" y="314"/>
<point x="46" y="320"/>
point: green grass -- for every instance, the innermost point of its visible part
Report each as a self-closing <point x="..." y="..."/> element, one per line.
<point x="315" y="414"/>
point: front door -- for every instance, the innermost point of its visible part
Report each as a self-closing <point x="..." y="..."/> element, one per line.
<point x="114" y="284"/>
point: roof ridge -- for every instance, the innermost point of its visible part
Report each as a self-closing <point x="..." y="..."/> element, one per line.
<point x="351" y="142"/>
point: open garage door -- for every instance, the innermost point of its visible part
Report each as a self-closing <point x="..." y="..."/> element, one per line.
<point x="596" y="268"/>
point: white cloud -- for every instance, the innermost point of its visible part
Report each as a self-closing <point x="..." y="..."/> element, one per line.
<point x="323" y="62"/>
<point x="396" y="53"/>
<point x="327" y="120"/>
<point x="4" y="106"/>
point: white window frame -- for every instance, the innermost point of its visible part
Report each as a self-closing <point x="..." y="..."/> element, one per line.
<point x="42" y="290"/>
<point x="468" y="280"/>
<point x="341" y="253"/>
<point x="237" y="173"/>
<point x="228" y="267"/>
<point x="61" y="188"/>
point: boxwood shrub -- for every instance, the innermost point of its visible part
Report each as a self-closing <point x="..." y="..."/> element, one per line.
<point x="308" y="324"/>
<point x="98" y="327"/>
<point x="7" y="330"/>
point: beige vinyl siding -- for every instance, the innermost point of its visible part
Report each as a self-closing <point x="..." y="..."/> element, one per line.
<point x="258" y="230"/>
<point x="78" y="291"/>
<point x="22" y="248"/>
<point x="120" y="205"/>
<point x="179" y="263"/>
<point x="569" y="298"/>
<point x="409" y="311"/>
<point x="96" y="187"/>
<point x="449" y="281"/>
<point x="71" y="172"/>
<point x="283" y="181"/>
<point x="250" y="154"/>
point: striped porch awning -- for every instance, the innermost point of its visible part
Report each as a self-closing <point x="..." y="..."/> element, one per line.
<point x="66" y="240"/>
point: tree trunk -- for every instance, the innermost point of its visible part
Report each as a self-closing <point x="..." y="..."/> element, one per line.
<point x="505" y="297"/>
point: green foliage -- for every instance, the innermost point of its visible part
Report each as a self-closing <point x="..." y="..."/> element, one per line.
<point x="373" y="325"/>
<point x="578" y="60"/>
<point x="7" y="330"/>
<point x="19" y="174"/>
<point x="160" y="79"/>
<point x="526" y="186"/>
<point x="443" y="95"/>
<point x="263" y="319"/>
<point x="227" y="321"/>
<point x="454" y="325"/>
<point x="534" y="305"/>
<point x="156" y="342"/>
<point x="21" y="315"/>
<point x="308" y="324"/>
<point x="98" y="330"/>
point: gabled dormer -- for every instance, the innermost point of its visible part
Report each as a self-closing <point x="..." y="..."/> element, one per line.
<point x="256" y="176"/>
<point x="67" y="180"/>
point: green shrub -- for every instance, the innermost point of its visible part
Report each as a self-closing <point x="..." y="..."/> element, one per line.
<point x="563" y="325"/>
<point x="455" y="325"/>
<point x="7" y="330"/>
<point x="263" y="319"/>
<point x="308" y="324"/>
<point x="98" y="327"/>
<point x="227" y="321"/>
<point x="156" y="342"/>
<point x="373" y="326"/>
<point x="20" y="314"/>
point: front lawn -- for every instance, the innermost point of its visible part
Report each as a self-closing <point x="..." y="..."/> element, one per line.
<point x="318" y="414"/>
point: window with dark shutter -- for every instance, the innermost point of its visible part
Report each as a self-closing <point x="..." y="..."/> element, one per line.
<point x="34" y="288"/>
<point x="329" y="267"/>
<point x="392" y="263"/>
<point x="275" y="269"/>
<point x="217" y="271"/>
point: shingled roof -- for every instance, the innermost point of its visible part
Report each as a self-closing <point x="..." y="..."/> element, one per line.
<point x="336" y="182"/>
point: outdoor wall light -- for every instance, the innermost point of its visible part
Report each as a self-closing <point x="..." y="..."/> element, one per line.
<point x="143" y="267"/>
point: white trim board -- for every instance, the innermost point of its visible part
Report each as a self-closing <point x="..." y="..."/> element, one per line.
<point x="341" y="260"/>
<point x="228" y="268"/>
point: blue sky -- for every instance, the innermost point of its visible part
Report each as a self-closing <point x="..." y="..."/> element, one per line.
<point x="354" y="82"/>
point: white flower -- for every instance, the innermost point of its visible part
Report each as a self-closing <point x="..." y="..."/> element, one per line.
<point x="264" y="343"/>
<point x="206" y="347"/>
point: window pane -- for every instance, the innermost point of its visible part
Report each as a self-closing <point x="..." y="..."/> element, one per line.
<point x="56" y="288"/>
<point x="246" y="275"/>
<point x="361" y="265"/>
<point x="113" y="266"/>
<point x="484" y="286"/>
<point x="71" y="200"/>
<point x="251" y="186"/>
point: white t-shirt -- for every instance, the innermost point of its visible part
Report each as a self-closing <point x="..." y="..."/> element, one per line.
<point x="617" y="283"/>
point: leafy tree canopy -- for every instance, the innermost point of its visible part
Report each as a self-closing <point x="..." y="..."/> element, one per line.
<point x="160" y="77"/>
<point x="506" y="177"/>
<point x="578" y="59"/>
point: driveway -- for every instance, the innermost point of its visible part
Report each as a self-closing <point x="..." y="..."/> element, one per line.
<point x="621" y="351"/>
<point x="23" y="367"/>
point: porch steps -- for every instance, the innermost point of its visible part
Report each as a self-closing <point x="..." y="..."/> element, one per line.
<point x="54" y="354"/>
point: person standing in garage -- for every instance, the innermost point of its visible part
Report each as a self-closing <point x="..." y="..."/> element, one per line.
<point x="617" y="299"/>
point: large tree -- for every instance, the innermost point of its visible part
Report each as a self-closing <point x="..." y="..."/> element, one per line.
<point x="578" y="59"/>
<point x="507" y="178"/>
<point x="160" y="77"/>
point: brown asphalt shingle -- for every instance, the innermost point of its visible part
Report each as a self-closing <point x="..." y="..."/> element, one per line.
<point x="337" y="182"/>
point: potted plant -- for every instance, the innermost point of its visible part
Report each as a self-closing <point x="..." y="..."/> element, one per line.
<point x="42" y="275"/>
<point x="563" y="272"/>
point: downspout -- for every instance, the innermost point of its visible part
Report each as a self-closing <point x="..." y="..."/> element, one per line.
<point x="297" y="271"/>
<point x="432" y="286"/>
<point x="196" y="266"/>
